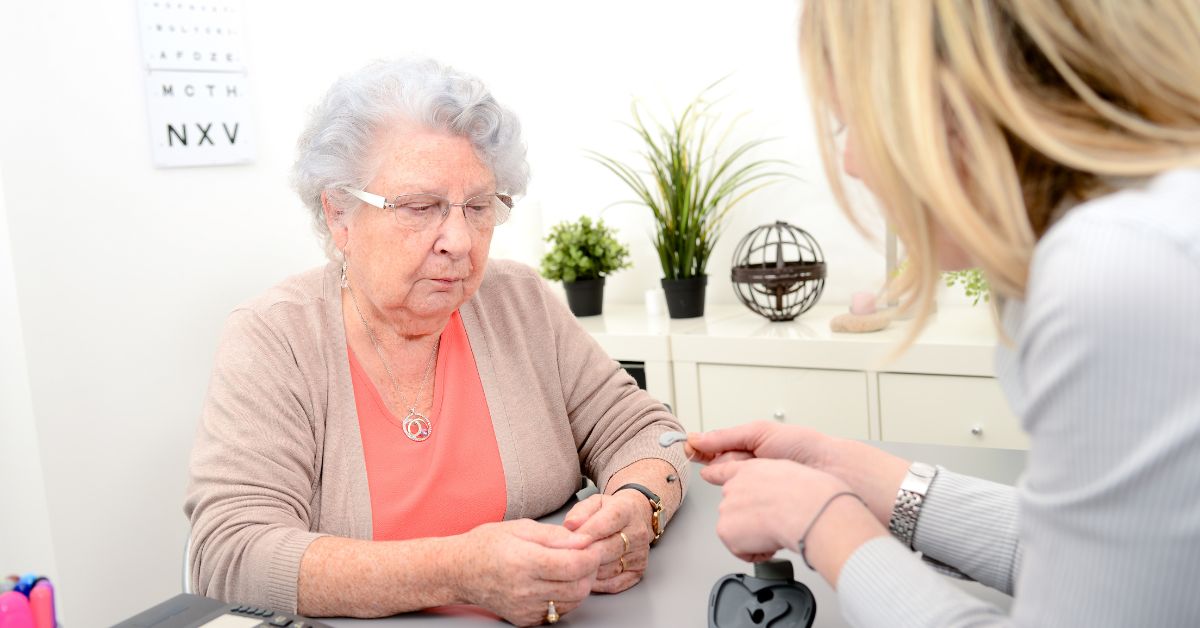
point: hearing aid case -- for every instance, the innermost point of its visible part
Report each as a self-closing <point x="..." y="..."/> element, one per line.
<point x="769" y="599"/>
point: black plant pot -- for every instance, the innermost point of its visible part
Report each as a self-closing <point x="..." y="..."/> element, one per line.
<point x="585" y="297"/>
<point x="685" y="297"/>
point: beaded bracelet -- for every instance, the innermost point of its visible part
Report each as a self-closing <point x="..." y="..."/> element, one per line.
<point x="804" y="537"/>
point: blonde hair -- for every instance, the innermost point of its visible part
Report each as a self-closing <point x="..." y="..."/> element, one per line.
<point x="983" y="117"/>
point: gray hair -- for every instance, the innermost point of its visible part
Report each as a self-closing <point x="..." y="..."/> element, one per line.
<point x="335" y="148"/>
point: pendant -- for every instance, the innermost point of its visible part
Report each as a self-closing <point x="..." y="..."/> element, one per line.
<point x="417" y="426"/>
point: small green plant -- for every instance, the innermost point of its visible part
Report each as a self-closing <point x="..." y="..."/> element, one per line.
<point x="582" y="250"/>
<point x="687" y="185"/>
<point x="973" y="283"/>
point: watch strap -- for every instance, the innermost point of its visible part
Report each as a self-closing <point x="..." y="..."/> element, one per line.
<point x="656" y="507"/>
<point x="910" y="498"/>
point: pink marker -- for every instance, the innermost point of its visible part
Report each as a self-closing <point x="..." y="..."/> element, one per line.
<point x="14" y="611"/>
<point x="41" y="602"/>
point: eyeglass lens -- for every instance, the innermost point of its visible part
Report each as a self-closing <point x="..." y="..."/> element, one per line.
<point x="422" y="211"/>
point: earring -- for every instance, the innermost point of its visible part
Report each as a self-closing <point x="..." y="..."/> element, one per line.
<point x="345" y="277"/>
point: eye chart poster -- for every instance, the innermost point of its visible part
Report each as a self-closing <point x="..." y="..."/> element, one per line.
<point x="197" y="90"/>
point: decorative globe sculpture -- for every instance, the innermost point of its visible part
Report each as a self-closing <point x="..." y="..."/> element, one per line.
<point x="778" y="271"/>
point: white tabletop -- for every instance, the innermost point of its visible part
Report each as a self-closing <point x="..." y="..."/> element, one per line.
<point x="690" y="559"/>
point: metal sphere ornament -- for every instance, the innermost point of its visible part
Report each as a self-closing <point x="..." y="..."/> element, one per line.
<point x="778" y="271"/>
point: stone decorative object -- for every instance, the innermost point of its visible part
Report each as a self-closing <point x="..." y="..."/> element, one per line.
<point x="863" y="316"/>
<point x="851" y="323"/>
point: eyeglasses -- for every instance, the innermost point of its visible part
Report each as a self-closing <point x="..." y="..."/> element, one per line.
<point x="425" y="211"/>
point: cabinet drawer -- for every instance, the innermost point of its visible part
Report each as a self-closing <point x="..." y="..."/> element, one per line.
<point x="834" y="402"/>
<point x="947" y="410"/>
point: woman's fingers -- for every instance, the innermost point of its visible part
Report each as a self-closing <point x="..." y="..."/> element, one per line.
<point x="719" y="474"/>
<point x="524" y="565"/>
<point x="635" y="560"/>
<point x="561" y="565"/>
<point x="564" y="576"/>
<point x="740" y="438"/>
<point x="617" y="583"/>
<point x="627" y="564"/>
<point x="583" y="511"/>
<point x="566" y="593"/>
<point x="709" y="458"/>
<point x="611" y="547"/>
<point x="731" y="456"/>
<point x="548" y="535"/>
<point x="616" y="513"/>
<point x="532" y="610"/>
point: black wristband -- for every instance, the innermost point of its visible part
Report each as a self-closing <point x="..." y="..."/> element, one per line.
<point x="656" y="507"/>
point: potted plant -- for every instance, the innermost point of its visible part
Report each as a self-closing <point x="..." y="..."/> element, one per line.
<point x="581" y="254"/>
<point x="974" y="284"/>
<point x="689" y="188"/>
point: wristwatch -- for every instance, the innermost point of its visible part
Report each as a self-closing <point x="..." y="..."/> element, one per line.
<point x="909" y="499"/>
<point x="656" y="508"/>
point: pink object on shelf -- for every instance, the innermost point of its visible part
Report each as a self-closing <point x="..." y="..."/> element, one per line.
<point x="15" y="611"/>
<point x="41" y="603"/>
<point x="862" y="303"/>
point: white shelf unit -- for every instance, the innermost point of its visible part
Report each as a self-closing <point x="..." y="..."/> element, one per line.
<point x="627" y="333"/>
<point x="733" y="366"/>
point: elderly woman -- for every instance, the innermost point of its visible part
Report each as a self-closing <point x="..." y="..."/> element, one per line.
<point x="378" y="432"/>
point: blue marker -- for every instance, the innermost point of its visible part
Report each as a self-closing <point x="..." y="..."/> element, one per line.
<point x="25" y="584"/>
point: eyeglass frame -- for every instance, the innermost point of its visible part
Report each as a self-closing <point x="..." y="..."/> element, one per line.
<point x="381" y="202"/>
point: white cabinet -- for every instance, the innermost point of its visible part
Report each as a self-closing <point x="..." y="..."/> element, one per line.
<point x="834" y="402"/>
<point x="625" y="332"/>
<point x="733" y="366"/>
<point x="947" y="410"/>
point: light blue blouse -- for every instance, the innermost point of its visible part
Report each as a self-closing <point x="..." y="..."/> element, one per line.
<point x="1104" y="527"/>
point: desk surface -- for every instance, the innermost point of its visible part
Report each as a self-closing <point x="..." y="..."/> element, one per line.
<point x="690" y="558"/>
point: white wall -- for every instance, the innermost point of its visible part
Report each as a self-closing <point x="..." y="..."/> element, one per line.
<point x="571" y="71"/>
<point x="25" y="543"/>
<point x="125" y="273"/>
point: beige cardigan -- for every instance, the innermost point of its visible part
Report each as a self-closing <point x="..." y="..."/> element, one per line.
<point x="278" y="459"/>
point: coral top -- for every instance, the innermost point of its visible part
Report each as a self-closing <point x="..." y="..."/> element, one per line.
<point x="449" y="483"/>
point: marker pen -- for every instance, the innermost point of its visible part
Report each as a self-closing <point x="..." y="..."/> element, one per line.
<point x="25" y="584"/>
<point x="15" y="611"/>
<point x="41" y="604"/>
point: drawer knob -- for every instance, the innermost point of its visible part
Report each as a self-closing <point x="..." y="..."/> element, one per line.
<point x="779" y="416"/>
<point x="977" y="430"/>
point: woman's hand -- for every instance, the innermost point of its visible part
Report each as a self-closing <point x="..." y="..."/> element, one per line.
<point x="760" y="439"/>
<point x="767" y="505"/>
<point x="604" y="518"/>
<point x="514" y="568"/>
<point x="870" y="472"/>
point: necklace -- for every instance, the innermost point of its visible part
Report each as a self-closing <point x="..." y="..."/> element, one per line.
<point x="417" y="426"/>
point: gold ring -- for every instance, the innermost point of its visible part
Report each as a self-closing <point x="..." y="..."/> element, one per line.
<point x="621" y="561"/>
<point x="551" y="613"/>
<point x="625" y="540"/>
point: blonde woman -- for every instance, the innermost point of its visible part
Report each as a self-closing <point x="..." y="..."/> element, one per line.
<point x="1055" y="144"/>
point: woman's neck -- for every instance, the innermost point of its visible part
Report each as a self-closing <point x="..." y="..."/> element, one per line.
<point x="397" y="332"/>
